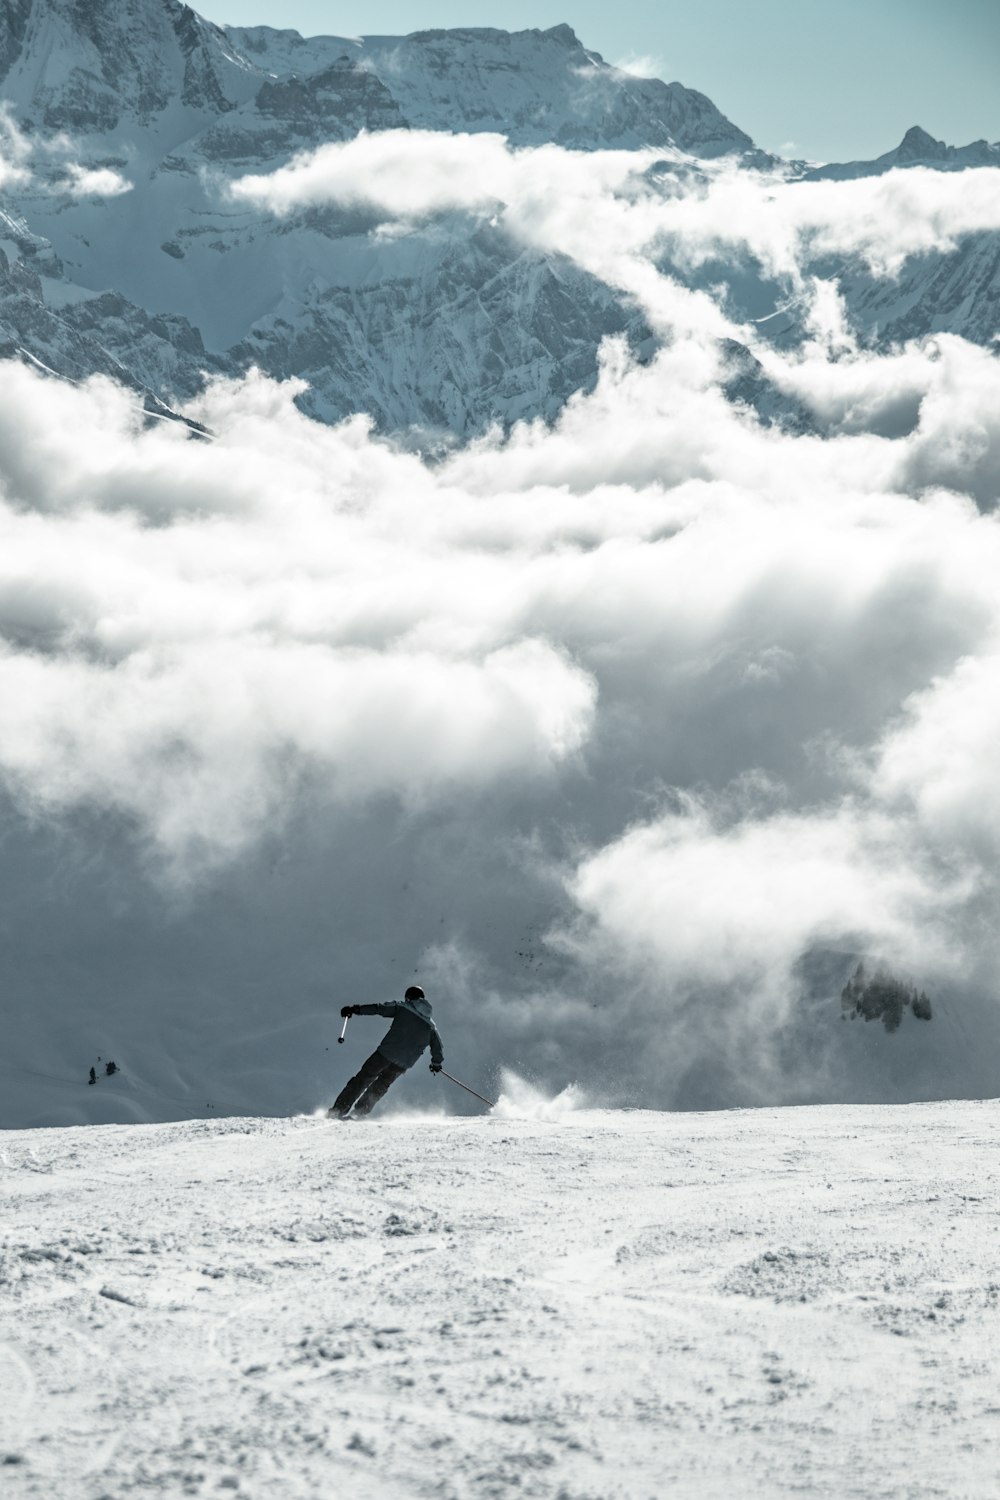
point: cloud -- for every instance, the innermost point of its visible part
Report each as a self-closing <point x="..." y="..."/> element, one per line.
<point x="410" y="173"/>
<point x="15" y="151"/>
<point x="115" y="669"/>
<point x="641" y="65"/>
<point x="655" y="702"/>
<point x="708" y="896"/>
<point x="883" y="220"/>
<point x="202" y="743"/>
<point x="203" y="637"/>
<point x="939" y="760"/>
<point x="95" y="182"/>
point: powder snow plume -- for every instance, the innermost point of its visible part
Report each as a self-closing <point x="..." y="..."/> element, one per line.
<point x="521" y="1100"/>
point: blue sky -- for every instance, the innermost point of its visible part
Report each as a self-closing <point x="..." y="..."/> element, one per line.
<point x="819" y="80"/>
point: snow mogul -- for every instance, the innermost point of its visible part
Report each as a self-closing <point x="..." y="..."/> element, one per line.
<point x="409" y="1035"/>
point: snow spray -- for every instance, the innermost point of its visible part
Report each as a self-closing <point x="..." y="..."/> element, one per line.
<point x="520" y="1100"/>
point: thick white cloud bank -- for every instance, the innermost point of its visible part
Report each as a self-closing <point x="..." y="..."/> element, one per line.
<point x="630" y="736"/>
<point x="613" y="210"/>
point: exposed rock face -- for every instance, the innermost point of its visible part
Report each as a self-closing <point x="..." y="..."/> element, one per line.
<point x="100" y="336"/>
<point x="292" y="114"/>
<point x="437" y="343"/>
<point x="882" y="997"/>
<point x="955" y="293"/>
<point x="746" y="384"/>
<point x="13" y="23"/>
<point x="87" y="65"/>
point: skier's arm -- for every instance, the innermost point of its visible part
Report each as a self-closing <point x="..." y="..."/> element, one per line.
<point x="388" y="1009"/>
<point x="437" y="1051"/>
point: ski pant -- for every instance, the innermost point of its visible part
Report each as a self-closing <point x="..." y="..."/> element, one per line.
<point x="369" y="1083"/>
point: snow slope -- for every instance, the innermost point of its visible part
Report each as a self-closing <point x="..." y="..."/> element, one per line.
<point x="623" y="1306"/>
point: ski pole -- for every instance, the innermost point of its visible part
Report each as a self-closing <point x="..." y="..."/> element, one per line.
<point x="465" y="1086"/>
<point x="343" y="1029"/>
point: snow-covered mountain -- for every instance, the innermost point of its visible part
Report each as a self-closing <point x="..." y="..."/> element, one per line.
<point x="100" y="66"/>
<point x="451" y="327"/>
<point x="93" y="68"/>
<point x="454" y="328"/>
<point x="532" y="86"/>
<point x="953" y="292"/>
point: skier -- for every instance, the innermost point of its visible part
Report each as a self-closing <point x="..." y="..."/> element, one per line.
<point x="410" y="1032"/>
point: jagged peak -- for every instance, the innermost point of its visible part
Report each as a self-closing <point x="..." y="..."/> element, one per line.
<point x="917" y="148"/>
<point x="918" y="142"/>
<point x="563" y="33"/>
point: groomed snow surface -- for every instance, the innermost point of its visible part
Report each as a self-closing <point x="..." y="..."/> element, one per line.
<point x="543" y="1302"/>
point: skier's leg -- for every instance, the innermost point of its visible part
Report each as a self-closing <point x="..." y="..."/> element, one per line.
<point x="377" y="1088"/>
<point x="356" y="1086"/>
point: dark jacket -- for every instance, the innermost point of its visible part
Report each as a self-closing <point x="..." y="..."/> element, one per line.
<point x="410" y="1032"/>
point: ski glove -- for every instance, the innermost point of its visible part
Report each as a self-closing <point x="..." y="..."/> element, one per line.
<point x="348" y="1010"/>
<point x="435" y="1067"/>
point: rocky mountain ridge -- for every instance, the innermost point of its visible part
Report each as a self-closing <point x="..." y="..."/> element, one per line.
<point x="917" y="149"/>
<point x="94" y="67"/>
<point x="532" y="86"/>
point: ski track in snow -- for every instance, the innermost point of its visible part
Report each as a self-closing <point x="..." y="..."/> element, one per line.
<point x="755" y="1303"/>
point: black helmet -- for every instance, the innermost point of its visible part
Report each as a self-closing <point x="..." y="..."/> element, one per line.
<point x="414" y="993"/>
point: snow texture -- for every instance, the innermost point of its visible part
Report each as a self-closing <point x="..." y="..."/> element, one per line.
<point x="600" y="1307"/>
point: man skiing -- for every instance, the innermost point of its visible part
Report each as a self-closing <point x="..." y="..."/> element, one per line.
<point x="411" y="1030"/>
